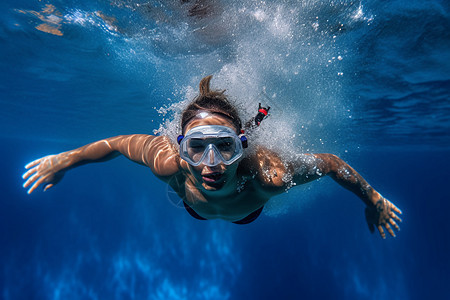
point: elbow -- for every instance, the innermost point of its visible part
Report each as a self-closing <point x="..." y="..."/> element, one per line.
<point x="329" y="164"/>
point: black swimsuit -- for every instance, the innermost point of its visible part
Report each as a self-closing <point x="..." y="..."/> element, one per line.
<point x="248" y="219"/>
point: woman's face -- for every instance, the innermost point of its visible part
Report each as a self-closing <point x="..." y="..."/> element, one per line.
<point x="213" y="178"/>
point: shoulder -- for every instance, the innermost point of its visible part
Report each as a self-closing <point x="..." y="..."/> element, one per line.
<point x="268" y="169"/>
<point x="162" y="157"/>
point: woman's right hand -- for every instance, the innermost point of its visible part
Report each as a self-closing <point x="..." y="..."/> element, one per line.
<point x="48" y="170"/>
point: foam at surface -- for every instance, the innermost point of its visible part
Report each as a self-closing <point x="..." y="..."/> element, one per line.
<point x="284" y="56"/>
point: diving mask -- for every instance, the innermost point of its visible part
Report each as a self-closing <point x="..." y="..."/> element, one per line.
<point x="211" y="145"/>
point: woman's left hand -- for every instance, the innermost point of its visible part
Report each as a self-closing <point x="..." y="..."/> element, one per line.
<point x="383" y="214"/>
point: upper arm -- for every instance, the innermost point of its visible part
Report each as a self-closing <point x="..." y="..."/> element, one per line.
<point x="156" y="152"/>
<point x="276" y="175"/>
<point x="313" y="166"/>
<point x="306" y="168"/>
<point x="309" y="167"/>
<point x="274" y="172"/>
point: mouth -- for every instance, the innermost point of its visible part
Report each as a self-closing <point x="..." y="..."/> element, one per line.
<point x="212" y="177"/>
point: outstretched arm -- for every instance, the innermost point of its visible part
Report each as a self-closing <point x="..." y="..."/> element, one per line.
<point x="380" y="212"/>
<point x="154" y="152"/>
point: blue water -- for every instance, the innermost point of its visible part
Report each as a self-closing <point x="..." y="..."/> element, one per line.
<point x="366" y="80"/>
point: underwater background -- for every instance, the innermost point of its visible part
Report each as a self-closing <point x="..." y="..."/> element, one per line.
<point x="366" y="80"/>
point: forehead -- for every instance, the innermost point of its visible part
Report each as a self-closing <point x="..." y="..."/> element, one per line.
<point x="210" y="119"/>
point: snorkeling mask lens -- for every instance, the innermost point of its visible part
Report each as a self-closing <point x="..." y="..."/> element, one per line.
<point x="197" y="146"/>
<point x="211" y="145"/>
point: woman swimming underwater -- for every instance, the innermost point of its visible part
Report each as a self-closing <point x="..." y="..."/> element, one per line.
<point x="208" y="170"/>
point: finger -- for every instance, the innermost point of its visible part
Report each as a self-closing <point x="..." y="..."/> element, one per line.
<point x="394" y="224"/>
<point x="31" y="180"/>
<point x="395" y="208"/>
<point x="36" y="184"/>
<point x="48" y="186"/>
<point x="33" y="163"/>
<point x="28" y="173"/>
<point x="395" y="217"/>
<point x="389" y="229"/>
<point x="380" y="229"/>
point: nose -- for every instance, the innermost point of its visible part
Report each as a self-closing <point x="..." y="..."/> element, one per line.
<point x="211" y="156"/>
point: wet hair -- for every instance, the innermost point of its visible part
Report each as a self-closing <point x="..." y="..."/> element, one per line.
<point x="213" y="102"/>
